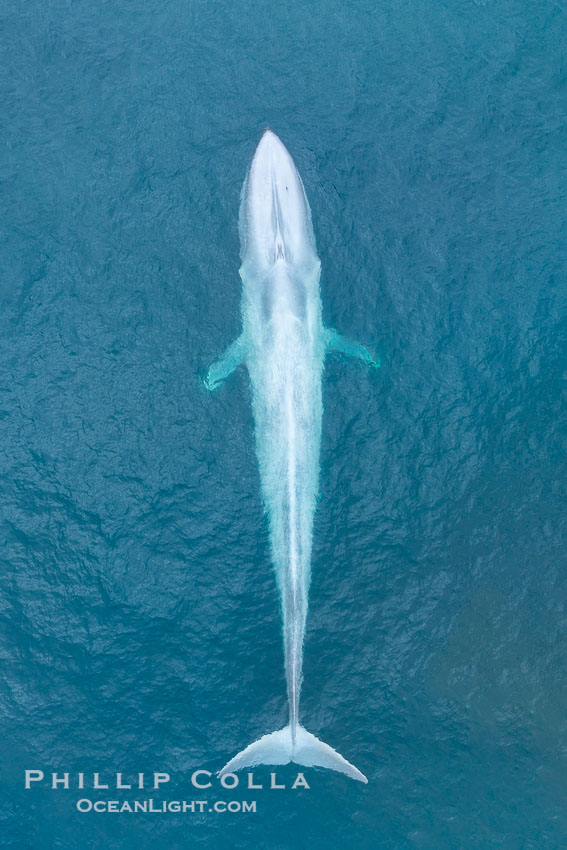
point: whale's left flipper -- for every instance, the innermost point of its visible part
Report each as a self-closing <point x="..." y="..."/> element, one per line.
<point x="227" y="363"/>
<point x="279" y="748"/>
<point x="336" y="342"/>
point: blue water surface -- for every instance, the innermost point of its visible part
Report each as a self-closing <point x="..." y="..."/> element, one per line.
<point x="138" y="610"/>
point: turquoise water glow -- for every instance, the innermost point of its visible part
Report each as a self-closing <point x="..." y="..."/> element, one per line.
<point x="139" y="616"/>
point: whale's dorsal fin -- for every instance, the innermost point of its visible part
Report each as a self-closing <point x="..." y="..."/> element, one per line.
<point x="336" y="342"/>
<point x="227" y="363"/>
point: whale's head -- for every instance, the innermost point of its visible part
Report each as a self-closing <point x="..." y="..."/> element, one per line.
<point x="275" y="219"/>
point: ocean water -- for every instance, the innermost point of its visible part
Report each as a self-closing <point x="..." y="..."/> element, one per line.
<point x="139" y="616"/>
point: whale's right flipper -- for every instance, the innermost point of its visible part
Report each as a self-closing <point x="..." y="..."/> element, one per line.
<point x="227" y="363"/>
<point x="280" y="748"/>
<point x="336" y="342"/>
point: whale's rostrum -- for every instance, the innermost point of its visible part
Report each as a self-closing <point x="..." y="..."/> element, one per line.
<point x="283" y="345"/>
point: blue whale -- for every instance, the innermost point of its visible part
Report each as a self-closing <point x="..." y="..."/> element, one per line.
<point x="283" y="345"/>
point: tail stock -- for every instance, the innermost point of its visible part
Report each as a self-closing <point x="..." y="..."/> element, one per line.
<point x="279" y="748"/>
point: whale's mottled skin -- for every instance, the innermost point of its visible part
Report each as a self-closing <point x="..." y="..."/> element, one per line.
<point x="283" y="345"/>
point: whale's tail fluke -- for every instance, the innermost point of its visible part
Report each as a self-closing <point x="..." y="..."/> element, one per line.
<point x="279" y="748"/>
